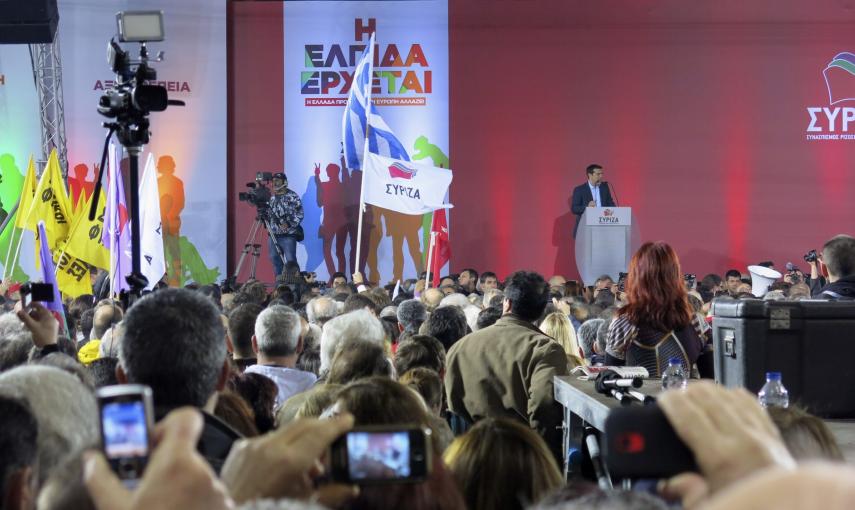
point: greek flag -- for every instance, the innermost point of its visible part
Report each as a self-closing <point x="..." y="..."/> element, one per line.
<point x="360" y="115"/>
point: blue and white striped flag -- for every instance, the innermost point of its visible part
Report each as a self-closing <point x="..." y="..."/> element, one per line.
<point x="360" y="114"/>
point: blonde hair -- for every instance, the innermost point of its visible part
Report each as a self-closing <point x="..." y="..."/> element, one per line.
<point x="500" y="463"/>
<point x="559" y="327"/>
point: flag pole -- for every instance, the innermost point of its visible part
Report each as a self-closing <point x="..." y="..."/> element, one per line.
<point x="364" y="152"/>
<point x="430" y="251"/>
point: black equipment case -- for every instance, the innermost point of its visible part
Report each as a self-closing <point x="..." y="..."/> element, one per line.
<point x="812" y="344"/>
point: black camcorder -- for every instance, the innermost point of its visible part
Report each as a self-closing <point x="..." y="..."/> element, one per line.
<point x="259" y="194"/>
<point x="811" y="256"/>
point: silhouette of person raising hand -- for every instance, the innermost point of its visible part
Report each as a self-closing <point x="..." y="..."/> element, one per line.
<point x="332" y="198"/>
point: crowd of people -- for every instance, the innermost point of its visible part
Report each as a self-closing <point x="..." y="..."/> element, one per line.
<point x="251" y="386"/>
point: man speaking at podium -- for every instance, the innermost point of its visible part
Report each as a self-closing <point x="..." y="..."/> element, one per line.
<point x="590" y="194"/>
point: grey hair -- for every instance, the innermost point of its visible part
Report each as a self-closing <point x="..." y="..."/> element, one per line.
<point x="457" y="299"/>
<point x="321" y="309"/>
<point x="277" y="331"/>
<point x="64" y="408"/>
<point x="356" y="325"/>
<point x="775" y="295"/>
<point x="587" y="335"/>
<point x="471" y="312"/>
<point x="603" y="334"/>
<point x="411" y="313"/>
<point x="13" y="330"/>
<point x="109" y="347"/>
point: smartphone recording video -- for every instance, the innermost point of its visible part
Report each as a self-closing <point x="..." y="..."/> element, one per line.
<point x="126" y="428"/>
<point x="30" y="292"/>
<point x="377" y="456"/>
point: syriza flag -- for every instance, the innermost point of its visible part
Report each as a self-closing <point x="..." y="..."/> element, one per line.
<point x="404" y="186"/>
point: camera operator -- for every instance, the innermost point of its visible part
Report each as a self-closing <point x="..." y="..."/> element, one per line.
<point x="838" y="255"/>
<point x="286" y="214"/>
<point x="815" y="281"/>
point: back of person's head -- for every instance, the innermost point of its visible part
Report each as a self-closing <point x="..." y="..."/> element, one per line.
<point x="18" y="447"/>
<point x="68" y="364"/>
<point x="493" y="298"/>
<point x="382" y="401"/>
<point x="487" y="317"/>
<point x="106" y="316"/>
<point x="310" y="358"/>
<point x="587" y="335"/>
<point x="431" y="298"/>
<point x="236" y="412"/>
<point x="214" y="293"/>
<point x="283" y="294"/>
<point x="603" y="335"/>
<point x="448" y="325"/>
<point x="420" y="351"/>
<point x="380" y="298"/>
<point x="318" y="399"/>
<point x="608" y="500"/>
<point x="427" y="383"/>
<point x="260" y="393"/>
<point x="471" y="313"/>
<point x="838" y="254"/>
<point x="500" y="463"/>
<point x="15" y="341"/>
<point x="242" y="327"/>
<point x="64" y="408"/>
<point x="103" y="371"/>
<point x="806" y="436"/>
<point x="109" y="347"/>
<point x="321" y="309"/>
<point x="357" y="325"/>
<point x="87" y="317"/>
<point x="175" y="343"/>
<point x="559" y="327"/>
<point x="411" y="314"/>
<point x="528" y="294"/>
<point x="799" y="291"/>
<point x="359" y="302"/>
<point x="656" y="294"/>
<point x="277" y="331"/>
<point x="358" y="360"/>
<point x="456" y="299"/>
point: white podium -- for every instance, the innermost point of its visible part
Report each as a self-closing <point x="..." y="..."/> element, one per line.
<point x="604" y="242"/>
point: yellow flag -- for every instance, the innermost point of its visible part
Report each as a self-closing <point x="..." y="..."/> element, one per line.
<point x="72" y="276"/>
<point x="81" y="202"/>
<point x="27" y="193"/>
<point x="84" y="239"/>
<point x="51" y="205"/>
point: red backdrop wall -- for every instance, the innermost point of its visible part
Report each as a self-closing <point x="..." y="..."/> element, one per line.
<point x="698" y="114"/>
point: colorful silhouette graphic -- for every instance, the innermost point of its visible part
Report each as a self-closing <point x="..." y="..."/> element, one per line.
<point x="311" y="225"/>
<point x="80" y="183"/>
<point x="426" y="150"/>
<point x="840" y="78"/>
<point x="331" y="196"/>
<point x="171" y="204"/>
<point x="11" y="182"/>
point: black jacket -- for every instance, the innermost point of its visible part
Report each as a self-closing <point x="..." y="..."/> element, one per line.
<point x="582" y="196"/>
<point x="843" y="288"/>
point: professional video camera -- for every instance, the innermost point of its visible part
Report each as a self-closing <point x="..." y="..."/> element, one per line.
<point x="131" y="99"/>
<point x="259" y="194"/>
<point x="129" y="102"/>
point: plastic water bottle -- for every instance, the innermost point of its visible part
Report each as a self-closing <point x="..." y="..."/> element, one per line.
<point x="674" y="377"/>
<point x="773" y="393"/>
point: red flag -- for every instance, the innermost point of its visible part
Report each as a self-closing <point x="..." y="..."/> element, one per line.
<point x="441" y="245"/>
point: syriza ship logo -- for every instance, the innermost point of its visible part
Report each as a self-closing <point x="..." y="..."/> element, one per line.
<point x="834" y="122"/>
<point x="399" y="171"/>
<point x="608" y="212"/>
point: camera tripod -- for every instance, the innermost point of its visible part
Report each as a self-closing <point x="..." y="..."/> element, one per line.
<point x="250" y="247"/>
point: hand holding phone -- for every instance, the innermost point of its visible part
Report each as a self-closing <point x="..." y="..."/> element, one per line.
<point x="127" y="421"/>
<point x="43" y="326"/>
<point x="382" y="455"/>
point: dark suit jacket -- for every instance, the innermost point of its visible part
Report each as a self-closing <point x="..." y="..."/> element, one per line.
<point x="582" y="195"/>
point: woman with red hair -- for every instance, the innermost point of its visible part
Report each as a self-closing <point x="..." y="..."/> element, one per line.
<point x="657" y="323"/>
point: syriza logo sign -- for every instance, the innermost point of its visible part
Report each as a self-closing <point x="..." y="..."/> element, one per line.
<point x="608" y="216"/>
<point x="837" y="120"/>
<point x="398" y="170"/>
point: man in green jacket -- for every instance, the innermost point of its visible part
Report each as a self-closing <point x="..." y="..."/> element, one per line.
<point x="506" y="370"/>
